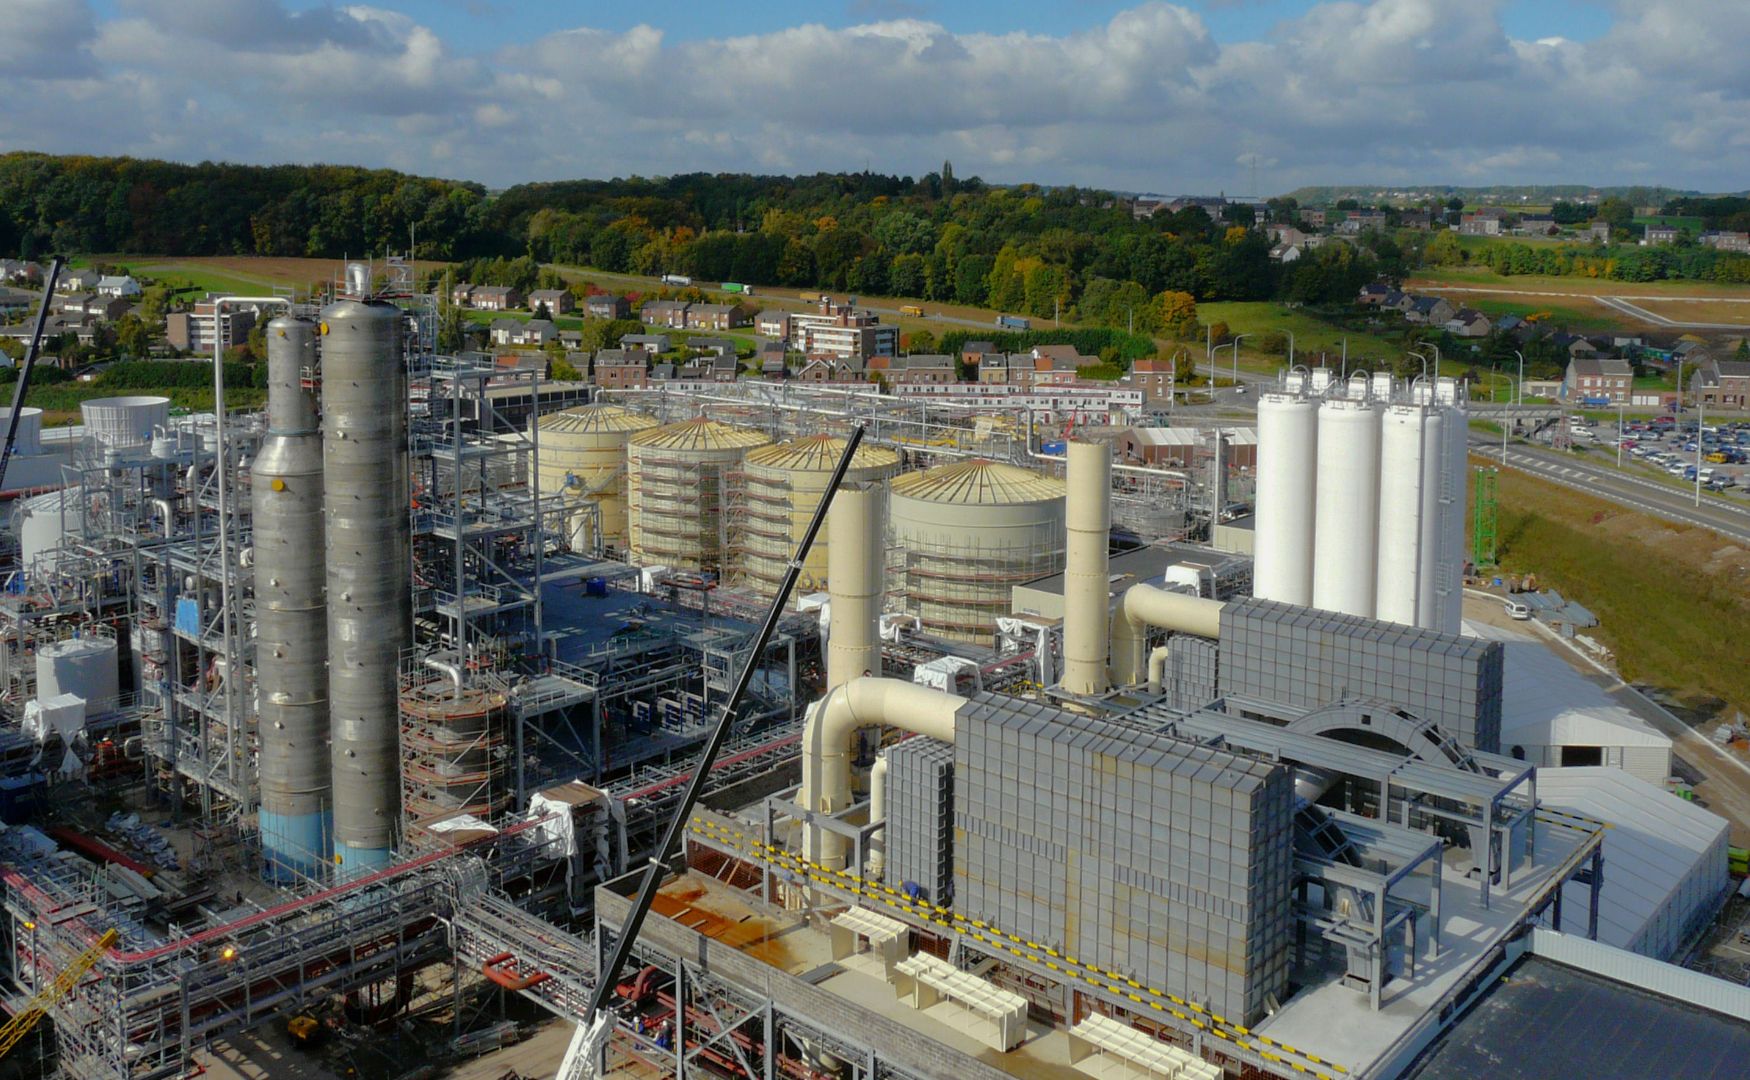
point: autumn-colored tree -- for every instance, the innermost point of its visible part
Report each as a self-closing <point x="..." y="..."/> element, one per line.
<point x="1176" y="313"/>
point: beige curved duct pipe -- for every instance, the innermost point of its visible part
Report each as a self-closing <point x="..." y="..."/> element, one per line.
<point x="878" y="813"/>
<point x="1157" y="667"/>
<point x="1145" y="606"/>
<point x="826" y="745"/>
<point x="855" y="582"/>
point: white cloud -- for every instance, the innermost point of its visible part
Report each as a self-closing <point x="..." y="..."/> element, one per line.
<point x="1386" y="90"/>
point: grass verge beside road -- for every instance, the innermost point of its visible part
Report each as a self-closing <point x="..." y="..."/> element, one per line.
<point x="1673" y="601"/>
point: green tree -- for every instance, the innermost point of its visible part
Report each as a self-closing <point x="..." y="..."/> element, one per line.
<point x="1176" y="314"/>
<point x="1617" y="213"/>
<point x="132" y="336"/>
<point x="542" y="311"/>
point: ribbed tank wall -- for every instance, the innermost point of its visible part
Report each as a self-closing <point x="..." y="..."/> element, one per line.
<point x="583" y="464"/>
<point x="781" y="487"/>
<point x="364" y="452"/>
<point x="291" y="620"/>
<point x="1432" y="534"/>
<point x="1449" y="615"/>
<point x="1287" y="462"/>
<point x="679" y="482"/>
<point x="962" y="559"/>
<point x="1346" y="521"/>
<point x="1400" y="573"/>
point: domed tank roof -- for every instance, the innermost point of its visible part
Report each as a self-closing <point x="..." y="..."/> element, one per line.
<point x="820" y="453"/>
<point x="700" y="434"/>
<point x="989" y="483"/>
<point x="593" y="419"/>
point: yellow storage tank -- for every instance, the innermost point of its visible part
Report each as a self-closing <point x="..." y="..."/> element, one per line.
<point x="679" y="482"/>
<point x="583" y="465"/>
<point x="782" y="486"/>
<point x="963" y="535"/>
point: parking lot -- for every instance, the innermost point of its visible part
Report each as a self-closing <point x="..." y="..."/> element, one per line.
<point x="1667" y="446"/>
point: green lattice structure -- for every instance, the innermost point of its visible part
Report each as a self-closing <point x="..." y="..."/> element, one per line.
<point x="1483" y="520"/>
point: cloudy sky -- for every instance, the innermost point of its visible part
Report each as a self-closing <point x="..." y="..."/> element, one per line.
<point x="1138" y="96"/>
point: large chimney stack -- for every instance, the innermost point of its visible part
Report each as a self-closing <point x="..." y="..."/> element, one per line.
<point x="855" y="582"/>
<point x="1087" y="568"/>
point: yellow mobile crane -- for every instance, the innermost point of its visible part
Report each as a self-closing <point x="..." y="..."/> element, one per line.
<point x="19" y="1026"/>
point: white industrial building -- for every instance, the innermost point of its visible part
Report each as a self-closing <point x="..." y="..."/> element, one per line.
<point x="1552" y="715"/>
<point x="1666" y="858"/>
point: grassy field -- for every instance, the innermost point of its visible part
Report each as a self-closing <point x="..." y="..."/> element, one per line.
<point x="1312" y="335"/>
<point x="1590" y="317"/>
<point x="240" y="274"/>
<point x="1674" y="601"/>
<point x="1676" y="221"/>
<point x="1521" y="284"/>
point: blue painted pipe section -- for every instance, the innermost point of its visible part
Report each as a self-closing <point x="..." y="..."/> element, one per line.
<point x="294" y="844"/>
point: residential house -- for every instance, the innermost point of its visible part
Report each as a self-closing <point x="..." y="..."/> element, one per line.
<point x="715" y="317"/>
<point x="1479" y="225"/>
<point x="772" y="323"/>
<point x="1725" y="384"/>
<point x="1598" y="232"/>
<point x="14" y="300"/>
<point x="1314" y="218"/>
<point x="1430" y="310"/>
<point x="581" y="361"/>
<point x="533" y="334"/>
<point x="495" y="298"/>
<point x="1727" y="241"/>
<point x="1152" y="375"/>
<point x="1398" y="301"/>
<point x="621" y="369"/>
<point x="771" y="368"/>
<point x="1594" y="379"/>
<point x="118" y="285"/>
<point x="1286" y="252"/>
<point x="721" y="368"/>
<point x="716" y="346"/>
<point x="1536" y="225"/>
<point x="91" y="305"/>
<point x="655" y="344"/>
<point x="831" y="369"/>
<point x="1374" y="294"/>
<point x="557" y="301"/>
<point x="993" y="368"/>
<point x="1576" y="345"/>
<point x="669" y="313"/>
<point x="1284" y="234"/>
<point x="1659" y="234"/>
<point x="78" y="281"/>
<point x="1468" y="323"/>
<point x="462" y="294"/>
<point x="1145" y="208"/>
<point x="19" y="270"/>
<point x="972" y="353"/>
<point x="1416" y="219"/>
<point x="1362" y="221"/>
<point x="932" y="369"/>
<point x="607" y="306"/>
<point x="1508" y="324"/>
<point x="571" y="339"/>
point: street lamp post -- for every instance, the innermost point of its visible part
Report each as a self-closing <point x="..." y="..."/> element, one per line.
<point x="1290" y="334"/>
<point x="1236" y="345"/>
<point x="1700" y="422"/>
<point x="1620" y="424"/>
<point x="1520" y="400"/>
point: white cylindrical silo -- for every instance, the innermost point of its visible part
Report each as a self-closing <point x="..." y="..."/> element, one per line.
<point x="27" y="441"/>
<point x="124" y="423"/>
<point x="1399" y="575"/>
<point x="1288" y="435"/>
<point x="1346" y="521"/>
<point x="83" y="666"/>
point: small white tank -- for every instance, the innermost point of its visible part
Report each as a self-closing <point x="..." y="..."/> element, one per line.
<point x="45" y="522"/>
<point x="83" y="666"/>
<point x="124" y="422"/>
<point x="28" y="441"/>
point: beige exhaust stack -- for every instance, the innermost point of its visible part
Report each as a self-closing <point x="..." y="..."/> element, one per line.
<point x="855" y="581"/>
<point x="1087" y="568"/>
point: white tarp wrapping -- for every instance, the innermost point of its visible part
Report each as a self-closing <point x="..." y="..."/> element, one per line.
<point x="558" y="825"/>
<point x="60" y="714"/>
<point x="461" y="823"/>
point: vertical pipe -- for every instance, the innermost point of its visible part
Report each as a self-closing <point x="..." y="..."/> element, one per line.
<point x="364" y="452"/>
<point x="291" y="658"/>
<point x="854" y="579"/>
<point x="1087" y="568"/>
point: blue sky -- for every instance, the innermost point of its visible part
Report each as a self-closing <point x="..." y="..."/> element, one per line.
<point x="1140" y="95"/>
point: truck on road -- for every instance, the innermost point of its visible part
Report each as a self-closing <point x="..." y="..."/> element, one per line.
<point x="676" y="279"/>
<point x="1014" y="322"/>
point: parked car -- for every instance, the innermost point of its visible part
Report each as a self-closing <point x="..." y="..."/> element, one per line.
<point x="1517" y="610"/>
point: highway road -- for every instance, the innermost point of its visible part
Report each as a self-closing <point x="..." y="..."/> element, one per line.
<point x="1730" y="517"/>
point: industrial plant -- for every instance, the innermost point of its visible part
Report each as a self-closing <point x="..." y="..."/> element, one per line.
<point x="1014" y="760"/>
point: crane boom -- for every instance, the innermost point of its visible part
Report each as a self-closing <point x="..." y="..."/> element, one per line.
<point x="46" y="998"/>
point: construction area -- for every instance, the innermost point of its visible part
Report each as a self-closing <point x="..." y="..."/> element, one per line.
<point x="340" y="739"/>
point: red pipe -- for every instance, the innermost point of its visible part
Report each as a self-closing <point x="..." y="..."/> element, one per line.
<point x="733" y="759"/>
<point x="99" y="850"/>
<point x="503" y="978"/>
